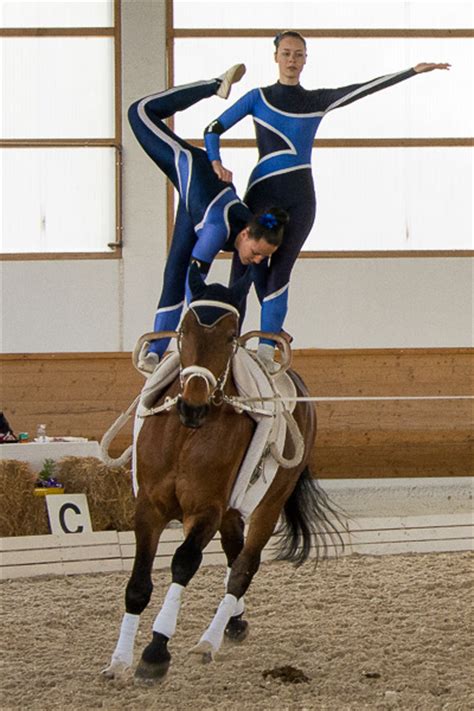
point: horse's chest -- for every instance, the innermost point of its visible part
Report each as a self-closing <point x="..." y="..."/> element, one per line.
<point x="213" y="447"/>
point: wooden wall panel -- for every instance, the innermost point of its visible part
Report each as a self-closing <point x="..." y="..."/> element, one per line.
<point x="81" y="394"/>
<point x="78" y="394"/>
<point x="387" y="372"/>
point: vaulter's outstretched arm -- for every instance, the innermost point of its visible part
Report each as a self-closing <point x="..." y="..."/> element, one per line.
<point x="331" y="99"/>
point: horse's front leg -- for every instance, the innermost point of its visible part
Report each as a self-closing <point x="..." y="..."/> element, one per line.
<point x="200" y="529"/>
<point x="148" y="528"/>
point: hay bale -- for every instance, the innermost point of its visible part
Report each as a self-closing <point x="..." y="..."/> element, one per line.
<point x="22" y="513"/>
<point x="108" y="490"/>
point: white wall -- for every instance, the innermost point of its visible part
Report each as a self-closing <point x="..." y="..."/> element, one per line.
<point x="99" y="305"/>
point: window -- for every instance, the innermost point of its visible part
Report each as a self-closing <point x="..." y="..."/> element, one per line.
<point x="393" y="171"/>
<point x="60" y="128"/>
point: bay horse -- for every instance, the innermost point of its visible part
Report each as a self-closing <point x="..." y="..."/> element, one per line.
<point x="187" y="461"/>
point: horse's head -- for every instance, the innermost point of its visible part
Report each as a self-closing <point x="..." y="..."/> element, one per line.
<point x="207" y="342"/>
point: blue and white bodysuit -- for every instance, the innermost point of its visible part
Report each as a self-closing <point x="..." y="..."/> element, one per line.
<point x="210" y="214"/>
<point x="286" y="120"/>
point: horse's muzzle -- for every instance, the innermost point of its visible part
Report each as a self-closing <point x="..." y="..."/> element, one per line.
<point x="192" y="415"/>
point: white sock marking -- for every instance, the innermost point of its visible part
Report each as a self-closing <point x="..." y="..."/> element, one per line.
<point x="165" y="622"/>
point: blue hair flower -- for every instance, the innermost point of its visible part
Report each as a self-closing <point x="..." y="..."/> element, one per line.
<point x="268" y="220"/>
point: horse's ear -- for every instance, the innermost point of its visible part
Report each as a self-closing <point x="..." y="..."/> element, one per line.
<point x="196" y="281"/>
<point x="240" y="289"/>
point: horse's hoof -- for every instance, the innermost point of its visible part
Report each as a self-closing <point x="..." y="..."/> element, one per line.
<point x="147" y="673"/>
<point x="115" y="670"/>
<point x="237" y="629"/>
<point x="205" y="650"/>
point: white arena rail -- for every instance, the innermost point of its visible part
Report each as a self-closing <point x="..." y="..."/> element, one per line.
<point x="388" y="516"/>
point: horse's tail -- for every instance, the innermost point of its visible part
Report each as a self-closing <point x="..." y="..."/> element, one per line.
<point x="309" y="518"/>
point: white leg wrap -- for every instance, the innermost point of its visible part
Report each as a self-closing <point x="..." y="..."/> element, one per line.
<point x="123" y="653"/>
<point x="240" y="606"/>
<point x="165" y="622"/>
<point x="215" y="632"/>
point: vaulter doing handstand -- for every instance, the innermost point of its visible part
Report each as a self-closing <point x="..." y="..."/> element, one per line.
<point x="210" y="217"/>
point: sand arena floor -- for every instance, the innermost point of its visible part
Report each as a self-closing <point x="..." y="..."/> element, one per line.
<point x="366" y="632"/>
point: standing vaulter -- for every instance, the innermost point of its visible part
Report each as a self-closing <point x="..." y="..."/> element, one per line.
<point x="286" y="118"/>
<point x="210" y="215"/>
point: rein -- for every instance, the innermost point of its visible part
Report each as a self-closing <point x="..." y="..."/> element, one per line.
<point x="247" y="404"/>
<point x="239" y="401"/>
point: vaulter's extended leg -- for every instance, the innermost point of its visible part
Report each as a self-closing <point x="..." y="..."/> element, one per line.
<point x="172" y="296"/>
<point x="172" y="154"/>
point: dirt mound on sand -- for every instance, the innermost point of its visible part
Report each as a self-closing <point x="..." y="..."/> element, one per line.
<point x="287" y="674"/>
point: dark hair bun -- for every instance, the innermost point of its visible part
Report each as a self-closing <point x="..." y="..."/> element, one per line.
<point x="281" y="215"/>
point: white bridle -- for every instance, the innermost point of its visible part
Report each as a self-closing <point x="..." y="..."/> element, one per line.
<point x="214" y="384"/>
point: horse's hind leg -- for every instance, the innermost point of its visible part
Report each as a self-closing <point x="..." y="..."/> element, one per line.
<point x="232" y="541"/>
<point x="243" y="570"/>
<point x="148" y="528"/>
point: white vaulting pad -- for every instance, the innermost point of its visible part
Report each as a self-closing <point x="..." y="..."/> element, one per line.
<point x="164" y="374"/>
<point x="259" y="467"/>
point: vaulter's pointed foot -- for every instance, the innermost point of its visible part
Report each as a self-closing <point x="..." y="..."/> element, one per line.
<point x="265" y="354"/>
<point x="231" y="76"/>
<point x="205" y="650"/>
<point x="147" y="360"/>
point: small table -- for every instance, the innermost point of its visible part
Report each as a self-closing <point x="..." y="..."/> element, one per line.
<point x="36" y="452"/>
